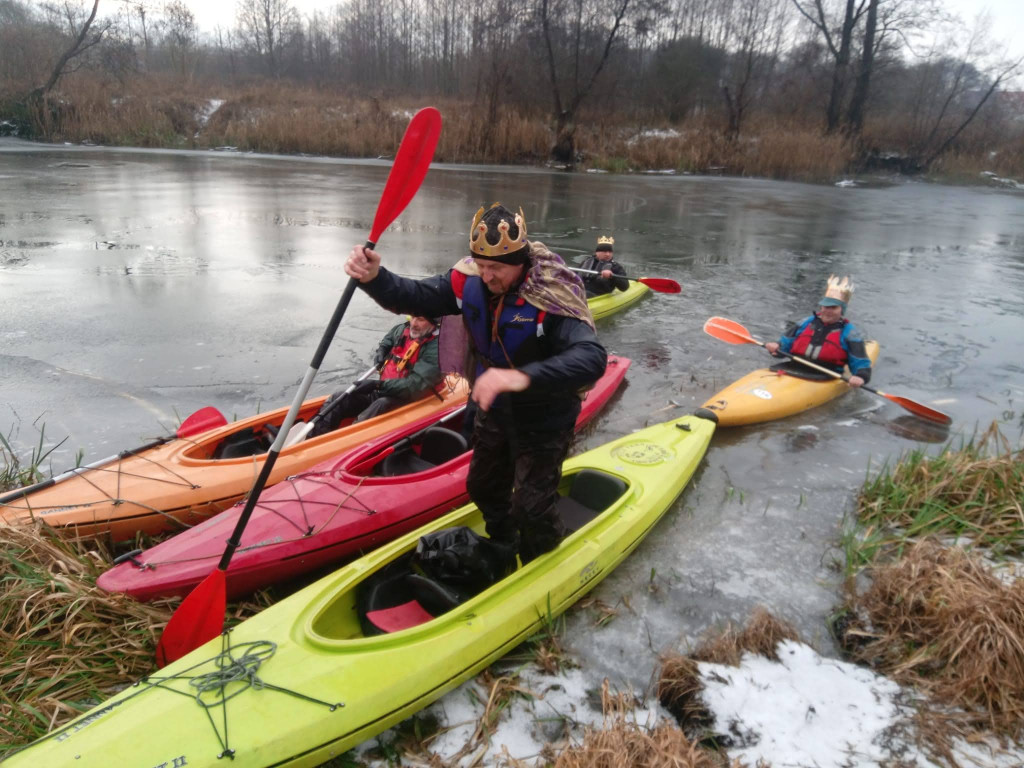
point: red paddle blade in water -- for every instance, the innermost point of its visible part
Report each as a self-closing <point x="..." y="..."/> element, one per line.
<point x="918" y="409"/>
<point x="198" y="619"/>
<point x="660" y="284"/>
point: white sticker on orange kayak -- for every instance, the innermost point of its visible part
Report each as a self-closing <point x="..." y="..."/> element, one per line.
<point x="764" y="394"/>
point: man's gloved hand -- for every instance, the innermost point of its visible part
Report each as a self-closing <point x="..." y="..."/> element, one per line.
<point x="366" y="387"/>
<point x="379" y="358"/>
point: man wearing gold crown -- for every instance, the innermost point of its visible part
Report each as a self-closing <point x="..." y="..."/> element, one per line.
<point x="828" y="338"/>
<point x="531" y="337"/>
<point x="611" y="275"/>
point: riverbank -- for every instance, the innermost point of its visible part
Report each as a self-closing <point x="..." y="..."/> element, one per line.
<point x="931" y="625"/>
<point x="280" y="119"/>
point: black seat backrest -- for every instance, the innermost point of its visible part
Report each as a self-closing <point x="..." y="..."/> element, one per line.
<point x="440" y="445"/>
<point x="596" y="490"/>
<point x="435" y="596"/>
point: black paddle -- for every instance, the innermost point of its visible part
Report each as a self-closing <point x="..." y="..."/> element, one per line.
<point x="200" y="617"/>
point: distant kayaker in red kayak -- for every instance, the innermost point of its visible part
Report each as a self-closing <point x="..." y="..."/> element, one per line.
<point x="532" y="339"/>
<point x="611" y="275"/>
<point x="408" y="362"/>
<point x="828" y="338"/>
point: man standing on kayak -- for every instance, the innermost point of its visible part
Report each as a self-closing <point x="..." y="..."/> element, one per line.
<point x="408" y="362"/>
<point x="828" y="338"/>
<point x="532" y="339"/>
<point x="611" y="275"/>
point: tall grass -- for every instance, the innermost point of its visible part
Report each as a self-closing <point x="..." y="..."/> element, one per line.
<point x="974" y="492"/>
<point x="16" y="472"/>
<point x="280" y="117"/>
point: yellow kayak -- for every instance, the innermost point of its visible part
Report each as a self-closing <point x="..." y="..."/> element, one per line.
<point x="366" y="647"/>
<point x="766" y="394"/>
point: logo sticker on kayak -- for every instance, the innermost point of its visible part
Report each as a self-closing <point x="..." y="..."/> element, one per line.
<point x="764" y="394"/>
<point x="642" y="452"/>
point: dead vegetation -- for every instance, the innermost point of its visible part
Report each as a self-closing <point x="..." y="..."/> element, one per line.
<point x="65" y="644"/>
<point x="937" y="619"/>
<point x="925" y="604"/>
<point x="679" y="685"/>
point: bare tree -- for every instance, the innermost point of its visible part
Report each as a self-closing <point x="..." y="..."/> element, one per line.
<point x="180" y="35"/>
<point x="754" y="35"/>
<point x="585" y="43"/>
<point x="83" y="36"/>
<point x="266" y="26"/>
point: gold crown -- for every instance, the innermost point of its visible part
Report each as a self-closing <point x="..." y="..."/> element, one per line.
<point x="605" y="240"/>
<point x="841" y="289"/>
<point x="478" y="244"/>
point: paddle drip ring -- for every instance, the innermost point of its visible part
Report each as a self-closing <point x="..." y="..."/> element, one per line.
<point x="237" y="664"/>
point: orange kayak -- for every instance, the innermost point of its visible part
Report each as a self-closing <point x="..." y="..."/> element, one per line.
<point x="182" y="482"/>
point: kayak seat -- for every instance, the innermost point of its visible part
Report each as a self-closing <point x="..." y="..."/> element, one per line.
<point x="437" y="446"/>
<point x="435" y="596"/>
<point x="409" y="614"/>
<point x="590" y="494"/>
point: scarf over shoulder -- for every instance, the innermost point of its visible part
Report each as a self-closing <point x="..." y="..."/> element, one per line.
<point x="549" y="285"/>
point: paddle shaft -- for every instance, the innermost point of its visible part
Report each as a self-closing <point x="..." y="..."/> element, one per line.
<point x="200" y="421"/>
<point x="660" y="284"/>
<point x="22" y="492"/>
<point x="289" y="419"/>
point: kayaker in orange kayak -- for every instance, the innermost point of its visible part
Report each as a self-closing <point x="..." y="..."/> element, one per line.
<point x="532" y="338"/>
<point x="828" y="338"/>
<point x="611" y="275"/>
<point x="408" y="362"/>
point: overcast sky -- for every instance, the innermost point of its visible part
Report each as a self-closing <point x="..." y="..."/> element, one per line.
<point x="1007" y="16"/>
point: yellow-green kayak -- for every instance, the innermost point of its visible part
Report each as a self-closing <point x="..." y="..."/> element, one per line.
<point x="766" y="394"/>
<point x="616" y="301"/>
<point x="302" y="682"/>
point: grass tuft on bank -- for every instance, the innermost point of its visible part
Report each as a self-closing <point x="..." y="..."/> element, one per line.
<point x="935" y="598"/>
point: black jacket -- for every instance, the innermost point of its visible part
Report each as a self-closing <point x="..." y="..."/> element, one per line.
<point x="597" y="285"/>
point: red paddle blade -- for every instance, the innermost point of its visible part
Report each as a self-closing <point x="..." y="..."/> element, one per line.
<point x="410" y="166"/>
<point x="198" y="619"/>
<point x="202" y="420"/>
<point x="919" y="409"/>
<point x="728" y="331"/>
<point x="660" y="284"/>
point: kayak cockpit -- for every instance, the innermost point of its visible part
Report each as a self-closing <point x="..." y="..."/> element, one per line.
<point x="404" y="592"/>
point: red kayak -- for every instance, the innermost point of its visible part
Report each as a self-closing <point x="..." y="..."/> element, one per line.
<point x="339" y="508"/>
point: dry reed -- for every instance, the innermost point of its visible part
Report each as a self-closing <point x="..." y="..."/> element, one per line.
<point x="938" y="619"/>
<point x="283" y="117"/>
<point x="624" y="742"/>
<point x="679" y="685"/>
<point x="65" y="644"/>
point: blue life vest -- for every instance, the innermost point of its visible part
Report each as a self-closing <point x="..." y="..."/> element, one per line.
<point x="520" y="325"/>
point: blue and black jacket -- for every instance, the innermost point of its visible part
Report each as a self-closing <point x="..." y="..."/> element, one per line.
<point x="560" y="354"/>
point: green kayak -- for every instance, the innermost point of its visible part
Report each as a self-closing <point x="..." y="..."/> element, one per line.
<point x="616" y="301"/>
<point x="366" y="647"/>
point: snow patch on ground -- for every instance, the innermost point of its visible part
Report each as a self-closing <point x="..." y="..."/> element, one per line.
<point x="549" y="708"/>
<point x="804" y="710"/>
<point x="807" y="710"/>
